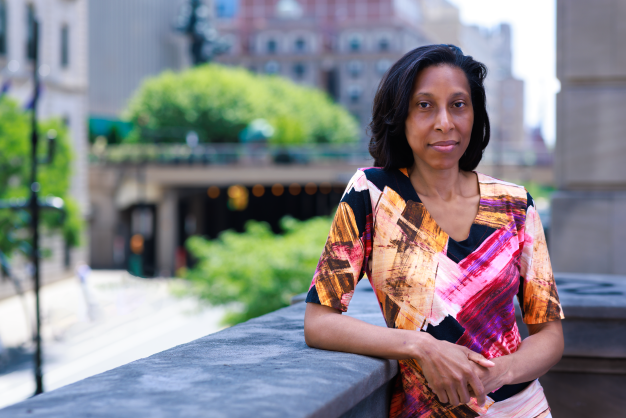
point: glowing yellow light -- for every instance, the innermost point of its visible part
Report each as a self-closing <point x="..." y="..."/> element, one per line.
<point x="295" y="189"/>
<point x="310" y="188"/>
<point x="213" y="192"/>
<point x="278" y="189"/>
<point x="238" y="197"/>
<point x="136" y="244"/>
<point x="258" y="190"/>
<point x="326" y="188"/>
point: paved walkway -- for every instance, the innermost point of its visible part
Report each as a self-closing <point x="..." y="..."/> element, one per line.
<point x="113" y="320"/>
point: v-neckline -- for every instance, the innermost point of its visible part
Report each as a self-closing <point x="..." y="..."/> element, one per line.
<point x="407" y="188"/>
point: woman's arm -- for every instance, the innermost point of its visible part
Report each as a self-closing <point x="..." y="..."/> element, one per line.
<point x="447" y="367"/>
<point x="534" y="358"/>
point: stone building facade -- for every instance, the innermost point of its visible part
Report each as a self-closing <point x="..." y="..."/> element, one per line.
<point x="345" y="46"/>
<point x="342" y="47"/>
<point x="64" y="77"/>
<point x="588" y="229"/>
<point x="129" y="41"/>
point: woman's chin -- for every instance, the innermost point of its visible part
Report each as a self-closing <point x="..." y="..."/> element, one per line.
<point x="444" y="164"/>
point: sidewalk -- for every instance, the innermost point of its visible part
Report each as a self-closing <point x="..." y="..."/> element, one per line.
<point x="127" y="319"/>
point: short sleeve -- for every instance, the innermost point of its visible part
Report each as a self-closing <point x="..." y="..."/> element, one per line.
<point x="538" y="297"/>
<point x="341" y="265"/>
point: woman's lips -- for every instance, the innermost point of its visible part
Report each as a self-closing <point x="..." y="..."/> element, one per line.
<point x="444" y="146"/>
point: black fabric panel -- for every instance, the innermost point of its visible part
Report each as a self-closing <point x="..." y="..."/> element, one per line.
<point x="520" y="295"/>
<point x="529" y="200"/>
<point x="313" y="297"/>
<point x="380" y="178"/>
<point x="405" y="188"/>
<point x="361" y="206"/>
<point x="507" y="391"/>
<point x="457" y="251"/>
<point x="448" y="330"/>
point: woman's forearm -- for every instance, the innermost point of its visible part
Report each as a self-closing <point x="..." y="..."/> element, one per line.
<point x="448" y="368"/>
<point x="327" y="329"/>
<point x="537" y="353"/>
<point x="534" y="357"/>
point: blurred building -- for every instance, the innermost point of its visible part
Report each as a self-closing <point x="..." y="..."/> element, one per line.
<point x="588" y="211"/>
<point x="129" y="41"/>
<point x="63" y="92"/>
<point x="344" y="47"/>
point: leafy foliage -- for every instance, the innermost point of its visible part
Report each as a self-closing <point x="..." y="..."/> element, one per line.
<point x="54" y="178"/>
<point x="257" y="269"/>
<point x="218" y="102"/>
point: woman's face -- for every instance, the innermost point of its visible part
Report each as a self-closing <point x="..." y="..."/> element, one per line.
<point x="441" y="116"/>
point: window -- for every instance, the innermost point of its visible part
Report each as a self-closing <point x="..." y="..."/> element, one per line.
<point x="354" y="94"/>
<point x="30" y="34"/>
<point x="272" y="46"/>
<point x="300" y="45"/>
<point x="65" y="46"/>
<point x="272" y="67"/>
<point x="354" y="44"/>
<point x="383" y="44"/>
<point x="382" y="66"/>
<point x="227" y="9"/>
<point x="3" y="27"/>
<point x="299" y="69"/>
<point x="355" y="68"/>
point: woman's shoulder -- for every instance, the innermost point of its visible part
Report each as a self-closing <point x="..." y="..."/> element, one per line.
<point x="376" y="177"/>
<point x="500" y="188"/>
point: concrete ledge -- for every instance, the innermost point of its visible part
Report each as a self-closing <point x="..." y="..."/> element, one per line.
<point x="261" y="368"/>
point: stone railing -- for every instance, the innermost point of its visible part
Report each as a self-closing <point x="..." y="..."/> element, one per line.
<point x="263" y="368"/>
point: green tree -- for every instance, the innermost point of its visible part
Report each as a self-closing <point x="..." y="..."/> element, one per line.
<point x="54" y="178"/>
<point x="218" y="102"/>
<point x="257" y="270"/>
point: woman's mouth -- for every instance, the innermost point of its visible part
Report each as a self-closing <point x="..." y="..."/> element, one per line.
<point x="444" y="146"/>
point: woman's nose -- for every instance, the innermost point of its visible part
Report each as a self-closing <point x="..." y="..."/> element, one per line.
<point x="443" y="122"/>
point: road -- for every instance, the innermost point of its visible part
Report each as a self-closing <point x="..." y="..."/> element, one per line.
<point x="113" y="320"/>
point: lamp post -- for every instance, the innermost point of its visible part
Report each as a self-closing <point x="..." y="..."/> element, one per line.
<point x="194" y="20"/>
<point x="34" y="209"/>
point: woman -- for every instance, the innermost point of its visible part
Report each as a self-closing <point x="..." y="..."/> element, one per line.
<point x="446" y="249"/>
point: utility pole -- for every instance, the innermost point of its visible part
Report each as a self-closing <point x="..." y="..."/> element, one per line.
<point x="34" y="209"/>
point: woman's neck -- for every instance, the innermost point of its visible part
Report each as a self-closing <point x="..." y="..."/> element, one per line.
<point x="443" y="184"/>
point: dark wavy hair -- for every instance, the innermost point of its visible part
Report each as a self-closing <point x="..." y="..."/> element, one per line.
<point x="388" y="144"/>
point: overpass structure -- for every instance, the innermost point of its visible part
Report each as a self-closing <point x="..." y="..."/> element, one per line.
<point x="161" y="194"/>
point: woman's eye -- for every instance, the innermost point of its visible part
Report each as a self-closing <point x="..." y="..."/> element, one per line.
<point x="459" y="104"/>
<point x="423" y="105"/>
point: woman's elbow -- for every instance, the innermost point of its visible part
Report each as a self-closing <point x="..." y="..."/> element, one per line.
<point x="310" y="332"/>
<point x="314" y="328"/>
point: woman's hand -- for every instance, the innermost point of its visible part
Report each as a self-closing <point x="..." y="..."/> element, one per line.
<point x="494" y="377"/>
<point x="449" y="369"/>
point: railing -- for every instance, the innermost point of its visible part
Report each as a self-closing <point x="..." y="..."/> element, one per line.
<point x="263" y="154"/>
<point x="224" y="154"/>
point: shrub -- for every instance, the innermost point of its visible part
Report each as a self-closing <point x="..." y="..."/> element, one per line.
<point x="257" y="270"/>
<point x="218" y="102"/>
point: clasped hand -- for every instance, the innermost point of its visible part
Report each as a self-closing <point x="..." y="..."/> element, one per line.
<point x="456" y="373"/>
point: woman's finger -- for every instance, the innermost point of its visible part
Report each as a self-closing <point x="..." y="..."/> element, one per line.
<point x="478" y="390"/>
<point x="480" y="359"/>
<point x="463" y="393"/>
<point x="442" y="395"/>
<point x="453" y="396"/>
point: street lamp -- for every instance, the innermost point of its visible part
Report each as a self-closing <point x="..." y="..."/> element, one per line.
<point x="194" y="20"/>
<point x="34" y="208"/>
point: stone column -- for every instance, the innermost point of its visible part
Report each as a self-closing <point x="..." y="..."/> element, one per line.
<point x="167" y="233"/>
<point x="588" y="231"/>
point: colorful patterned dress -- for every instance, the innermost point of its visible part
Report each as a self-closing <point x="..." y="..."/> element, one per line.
<point x="461" y="292"/>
